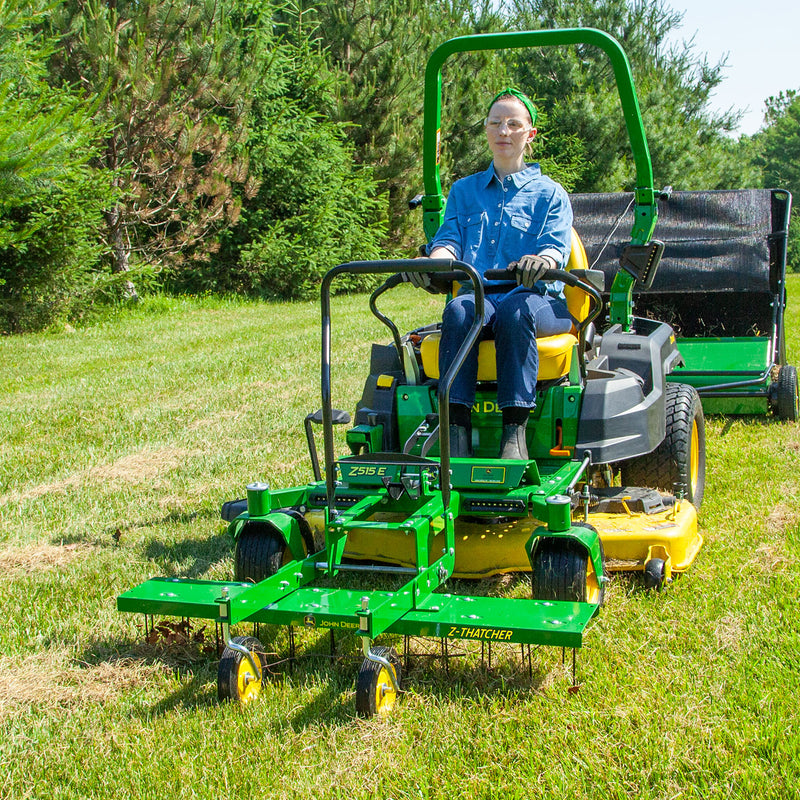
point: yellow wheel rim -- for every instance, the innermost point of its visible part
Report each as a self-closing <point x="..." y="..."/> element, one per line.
<point x="385" y="694"/>
<point x="694" y="458"/>
<point x="592" y="584"/>
<point x="248" y="685"/>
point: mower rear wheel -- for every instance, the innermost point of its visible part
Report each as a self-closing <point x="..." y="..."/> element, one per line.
<point x="563" y="570"/>
<point x="788" y="400"/>
<point x="260" y="552"/>
<point x="235" y="679"/>
<point x="680" y="459"/>
<point x="375" y="692"/>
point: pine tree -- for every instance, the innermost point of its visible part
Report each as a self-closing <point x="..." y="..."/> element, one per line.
<point x="174" y="86"/>
<point x="50" y="198"/>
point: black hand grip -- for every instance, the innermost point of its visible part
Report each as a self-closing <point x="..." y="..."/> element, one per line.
<point x="500" y="275"/>
<point x="393" y="280"/>
<point x="549" y="275"/>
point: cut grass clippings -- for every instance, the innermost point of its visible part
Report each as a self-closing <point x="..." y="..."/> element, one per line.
<point x="119" y="442"/>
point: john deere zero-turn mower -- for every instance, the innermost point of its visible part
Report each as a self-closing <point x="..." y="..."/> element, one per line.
<point x="397" y="504"/>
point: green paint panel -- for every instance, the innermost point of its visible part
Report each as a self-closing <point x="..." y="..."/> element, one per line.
<point x="498" y="619"/>
<point x="720" y="355"/>
<point x="475" y="473"/>
<point x="735" y="405"/>
<point x="177" y="597"/>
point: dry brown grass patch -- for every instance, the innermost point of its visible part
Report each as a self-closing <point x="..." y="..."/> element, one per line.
<point x="33" y="558"/>
<point x="133" y="469"/>
<point x="729" y="633"/>
<point x="52" y="680"/>
<point x="781" y="517"/>
<point x="770" y="557"/>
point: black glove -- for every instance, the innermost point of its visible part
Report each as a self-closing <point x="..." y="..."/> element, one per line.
<point x="421" y="280"/>
<point x="530" y="269"/>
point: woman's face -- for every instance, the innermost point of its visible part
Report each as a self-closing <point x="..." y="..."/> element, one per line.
<point x="509" y="129"/>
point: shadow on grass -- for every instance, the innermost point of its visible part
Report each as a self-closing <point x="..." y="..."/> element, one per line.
<point x="190" y="558"/>
<point x="325" y="678"/>
<point x="111" y="536"/>
<point x="750" y="420"/>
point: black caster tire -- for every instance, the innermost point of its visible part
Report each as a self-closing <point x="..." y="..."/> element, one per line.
<point x="260" y="552"/>
<point x="787" y="396"/>
<point x="655" y="574"/>
<point x="562" y="570"/>
<point x="375" y="692"/>
<point x="235" y="679"/>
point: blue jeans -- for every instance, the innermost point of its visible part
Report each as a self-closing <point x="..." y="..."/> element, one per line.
<point x="516" y="319"/>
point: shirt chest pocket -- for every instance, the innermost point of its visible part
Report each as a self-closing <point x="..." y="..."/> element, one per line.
<point x="523" y="232"/>
<point x="473" y="229"/>
<point x="525" y="225"/>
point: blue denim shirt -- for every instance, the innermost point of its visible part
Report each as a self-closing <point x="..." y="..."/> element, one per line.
<point x="489" y="223"/>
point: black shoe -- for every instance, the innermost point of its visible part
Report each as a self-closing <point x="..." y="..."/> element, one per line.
<point x="513" y="444"/>
<point x="459" y="441"/>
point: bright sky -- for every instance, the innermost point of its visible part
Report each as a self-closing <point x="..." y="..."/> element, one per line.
<point x="760" y="40"/>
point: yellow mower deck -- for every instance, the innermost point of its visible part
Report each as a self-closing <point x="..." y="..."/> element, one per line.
<point x="493" y="547"/>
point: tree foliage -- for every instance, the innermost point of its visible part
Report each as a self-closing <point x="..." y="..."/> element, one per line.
<point x="777" y="148"/>
<point x="173" y="86"/>
<point x="51" y="201"/>
<point x="249" y="145"/>
<point x="689" y="145"/>
<point x="378" y="49"/>
<point x="314" y="205"/>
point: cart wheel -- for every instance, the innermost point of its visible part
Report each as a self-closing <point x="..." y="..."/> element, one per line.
<point x="655" y="572"/>
<point x="788" y="402"/>
<point x="260" y="552"/>
<point x="681" y="456"/>
<point x="562" y="570"/>
<point x="235" y="678"/>
<point x="375" y="692"/>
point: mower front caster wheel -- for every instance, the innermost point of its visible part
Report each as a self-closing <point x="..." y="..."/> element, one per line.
<point x="236" y="679"/>
<point x="375" y="692"/>
<point x="655" y="574"/>
<point x="260" y="552"/>
<point x="563" y="570"/>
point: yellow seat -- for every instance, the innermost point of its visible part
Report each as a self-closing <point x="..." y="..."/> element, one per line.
<point x="555" y="352"/>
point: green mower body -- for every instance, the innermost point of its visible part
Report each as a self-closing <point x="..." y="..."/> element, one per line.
<point x="395" y="505"/>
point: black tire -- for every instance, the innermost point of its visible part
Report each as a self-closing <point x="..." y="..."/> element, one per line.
<point x="681" y="458"/>
<point x="260" y="552"/>
<point x="562" y="570"/>
<point x="655" y="571"/>
<point x="235" y="680"/>
<point x="375" y="693"/>
<point x="787" y="399"/>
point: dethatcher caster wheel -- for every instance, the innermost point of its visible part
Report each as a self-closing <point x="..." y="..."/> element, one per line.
<point x="375" y="690"/>
<point x="237" y="679"/>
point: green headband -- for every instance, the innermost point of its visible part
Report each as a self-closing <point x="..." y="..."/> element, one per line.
<point x="510" y="91"/>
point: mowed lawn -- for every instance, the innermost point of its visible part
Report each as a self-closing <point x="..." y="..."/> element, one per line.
<point x="119" y="442"/>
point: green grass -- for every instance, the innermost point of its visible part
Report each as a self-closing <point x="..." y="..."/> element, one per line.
<point x="118" y="443"/>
